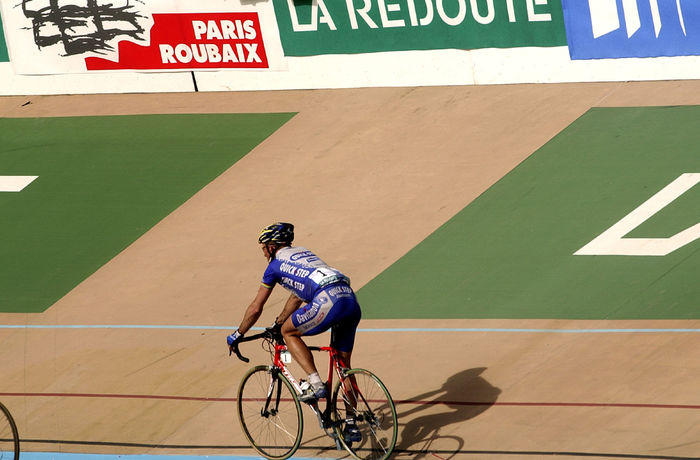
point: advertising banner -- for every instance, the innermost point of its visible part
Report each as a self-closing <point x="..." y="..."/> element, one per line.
<point x="314" y="27"/>
<point x="4" y="57"/>
<point x="632" y="28"/>
<point x="74" y="36"/>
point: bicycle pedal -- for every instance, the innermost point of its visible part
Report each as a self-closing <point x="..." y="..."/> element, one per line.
<point x="310" y="395"/>
<point x="351" y="434"/>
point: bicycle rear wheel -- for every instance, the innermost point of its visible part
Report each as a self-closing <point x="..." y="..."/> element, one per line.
<point x="270" y="413"/>
<point x="361" y="397"/>
<point x="9" y="438"/>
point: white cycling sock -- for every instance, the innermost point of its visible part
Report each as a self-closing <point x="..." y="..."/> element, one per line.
<point x="315" y="380"/>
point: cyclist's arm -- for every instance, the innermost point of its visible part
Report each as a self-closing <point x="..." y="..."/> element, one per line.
<point x="255" y="309"/>
<point x="293" y="303"/>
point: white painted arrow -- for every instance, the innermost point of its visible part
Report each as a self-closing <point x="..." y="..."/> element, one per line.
<point x="612" y="241"/>
<point x="15" y="183"/>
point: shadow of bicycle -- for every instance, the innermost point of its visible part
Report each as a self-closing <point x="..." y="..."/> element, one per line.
<point x="463" y="396"/>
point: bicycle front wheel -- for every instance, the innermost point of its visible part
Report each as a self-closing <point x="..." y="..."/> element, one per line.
<point x="9" y="437"/>
<point x="361" y="398"/>
<point x="270" y="413"/>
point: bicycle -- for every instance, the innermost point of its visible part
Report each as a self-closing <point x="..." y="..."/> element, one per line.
<point x="270" y="413"/>
<point x="9" y="437"/>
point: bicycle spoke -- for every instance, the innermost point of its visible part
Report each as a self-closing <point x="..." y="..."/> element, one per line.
<point x="270" y="414"/>
<point x="362" y="398"/>
<point x="284" y="429"/>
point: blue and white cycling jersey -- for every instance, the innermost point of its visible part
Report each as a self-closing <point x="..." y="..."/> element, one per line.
<point x="301" y="272"/>
<point x="330" y="301"/>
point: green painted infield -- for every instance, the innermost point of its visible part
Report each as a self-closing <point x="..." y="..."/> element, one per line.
<point x="103" y="182"/>
<point x="509" y="254"/>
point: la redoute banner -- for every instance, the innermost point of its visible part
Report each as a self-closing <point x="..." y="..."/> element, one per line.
<point x="320" y="27"/>
<point x="3" y="48"/>
<point x="75" y="36"/>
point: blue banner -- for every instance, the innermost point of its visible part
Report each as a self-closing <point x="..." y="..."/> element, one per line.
<point x="599" y="29"/>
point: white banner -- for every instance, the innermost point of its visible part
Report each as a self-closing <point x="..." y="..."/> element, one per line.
<point x="78" y="36"/>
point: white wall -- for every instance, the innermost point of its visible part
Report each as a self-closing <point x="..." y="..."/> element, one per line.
<point x="406" y="68"/>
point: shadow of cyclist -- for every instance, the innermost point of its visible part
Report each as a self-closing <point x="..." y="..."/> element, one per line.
<point x="463" y="396"/>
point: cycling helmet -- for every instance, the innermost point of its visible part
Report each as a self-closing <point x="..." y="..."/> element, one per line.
<point x="279" y="232"/>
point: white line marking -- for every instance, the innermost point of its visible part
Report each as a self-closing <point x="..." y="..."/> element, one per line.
<point x="612" y="241"/>
<point x="15" y="183"/>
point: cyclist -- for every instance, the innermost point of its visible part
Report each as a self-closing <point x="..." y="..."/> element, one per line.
<point x="321" y="298"/>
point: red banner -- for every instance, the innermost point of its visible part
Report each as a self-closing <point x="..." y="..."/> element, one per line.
<point x="193" y="41"/>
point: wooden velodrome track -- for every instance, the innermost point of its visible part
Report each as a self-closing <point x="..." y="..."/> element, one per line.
<point x="428" y="152"/>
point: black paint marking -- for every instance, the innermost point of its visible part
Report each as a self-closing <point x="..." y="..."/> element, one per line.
<point x="194" y="80"/>
<point x="83" y="28"/>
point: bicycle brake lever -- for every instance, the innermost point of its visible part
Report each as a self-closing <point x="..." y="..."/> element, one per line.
<point x="238" y="354"/>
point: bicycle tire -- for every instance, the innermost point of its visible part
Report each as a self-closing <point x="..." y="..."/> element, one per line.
<point x="374" y="413"/>
<point x="9" y="436"/>
<point x="270" y="413"/>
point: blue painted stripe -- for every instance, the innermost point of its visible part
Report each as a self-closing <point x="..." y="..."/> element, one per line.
<point x="73" y="456"/>
<point x="388" y="329"/>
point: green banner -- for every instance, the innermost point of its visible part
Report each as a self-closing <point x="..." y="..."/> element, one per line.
<point x="4" y="56"/>
<point x="365" y="26"/>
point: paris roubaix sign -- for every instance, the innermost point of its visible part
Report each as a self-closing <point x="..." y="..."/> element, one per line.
<point x="76" y="36"/>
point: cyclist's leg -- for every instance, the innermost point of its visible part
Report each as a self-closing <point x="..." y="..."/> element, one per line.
<point x="343" y="340"/>
<point x="345" y="358"/>
<point x="309" y="319"/>
<point x="296" y="346"/>
<point x="301" y="353"/>
<point x="328" y="309"/>
<point x="343" y="333"/>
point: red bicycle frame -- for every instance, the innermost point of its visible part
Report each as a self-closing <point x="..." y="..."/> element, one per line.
<point x="335" y="364"/>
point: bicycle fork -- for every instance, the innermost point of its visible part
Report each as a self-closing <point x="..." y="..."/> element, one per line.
<point x="266" y="411"/>
<point x="324" y="418"/>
